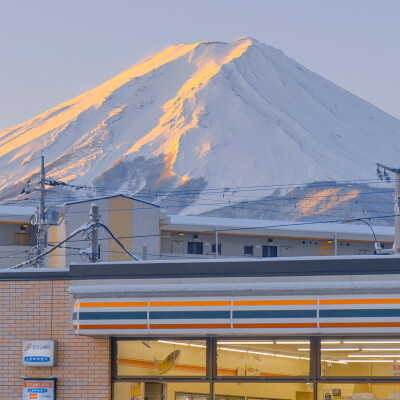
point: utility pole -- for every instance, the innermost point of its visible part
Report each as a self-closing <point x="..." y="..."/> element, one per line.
<point x="396" y="171"/>
<point x="94" y="233"/>
<point x="41" y="223"/>
<point x="216" y="242"/>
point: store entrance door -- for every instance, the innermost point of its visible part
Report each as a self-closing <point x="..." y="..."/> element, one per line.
<point x="154" y="391"/>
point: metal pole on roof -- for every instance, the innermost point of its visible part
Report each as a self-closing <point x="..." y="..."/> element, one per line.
<point x="41" y="223"/>
<point x="335" y="242"/>
<point x="216" y="242"/>
<point x="396" y="244"/>
<point x="385" y="176"/>
<point x="94" y="233"/>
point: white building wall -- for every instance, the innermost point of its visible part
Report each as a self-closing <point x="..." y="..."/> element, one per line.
<point x="175" y="244"/>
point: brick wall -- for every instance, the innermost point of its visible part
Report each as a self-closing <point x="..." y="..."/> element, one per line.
<point x="37" y="310"/>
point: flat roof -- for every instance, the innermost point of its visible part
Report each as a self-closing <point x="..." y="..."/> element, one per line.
<point x="213" y="268"/>
<point x="16" y="214"/>
<point x="278" y="228"/>
<point x="228" y="267"/>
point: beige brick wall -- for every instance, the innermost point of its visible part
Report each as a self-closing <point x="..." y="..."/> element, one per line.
<point x="40" y="310"/>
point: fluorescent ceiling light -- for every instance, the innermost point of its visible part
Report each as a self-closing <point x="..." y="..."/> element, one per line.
<point x="330" y="342"/>
<point x="374" y="355"/>
<point x="376" y="349"/>
<point x="292" y="342"/>
<point x="368" y="361"/>
<point x="342" y="349"/>
<point x="260" y="353"/>
<point x="331" y="349"/>
<point x="372" y="341"/>
<point x="175" y="343"/>
<point x="197" y="345"/>
<point x="165" y="341"/>
<point x="243" y="342"/>
<point x="228" y="349"/>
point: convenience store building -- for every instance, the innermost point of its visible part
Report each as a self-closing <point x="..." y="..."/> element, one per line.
<point x="287" y="328"/>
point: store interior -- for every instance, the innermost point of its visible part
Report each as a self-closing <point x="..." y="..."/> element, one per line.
<point x="247" y="369"/>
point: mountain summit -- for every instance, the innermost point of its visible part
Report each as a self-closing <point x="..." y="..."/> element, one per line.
<point x="205" y="115"/>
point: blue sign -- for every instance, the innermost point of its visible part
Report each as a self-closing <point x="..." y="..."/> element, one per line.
<point x="37" y="390"/>
<point x="36" y="359"/>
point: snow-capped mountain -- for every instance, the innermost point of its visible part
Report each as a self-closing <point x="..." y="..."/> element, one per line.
<point x="200" y="116"/>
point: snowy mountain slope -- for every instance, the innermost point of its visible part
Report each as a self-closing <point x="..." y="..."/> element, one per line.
<point x="205" y="115"/>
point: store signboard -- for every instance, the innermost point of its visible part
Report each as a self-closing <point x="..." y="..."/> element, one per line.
<point x="38" y="353"/>
<point x="39" y="389"/>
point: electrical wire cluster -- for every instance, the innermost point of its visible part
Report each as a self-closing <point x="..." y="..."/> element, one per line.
<point x="239" y="198"/>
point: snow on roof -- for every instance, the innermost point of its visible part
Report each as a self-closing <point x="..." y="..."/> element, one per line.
<point x="14" y="210"/>
<point x="268" y="225"/>
<point x="14" y="214"/>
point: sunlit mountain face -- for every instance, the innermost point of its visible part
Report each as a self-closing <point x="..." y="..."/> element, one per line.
<point x="196" y="121"/>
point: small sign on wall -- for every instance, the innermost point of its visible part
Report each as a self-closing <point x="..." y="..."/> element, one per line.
<point x="38" y="353"/>
<point x="39" y="389"/>
<point x="252" y="371"/>
<point x="395" y="369"/>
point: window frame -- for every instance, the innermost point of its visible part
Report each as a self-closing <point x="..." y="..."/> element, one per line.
<point x="211" y="376"/>
<point x="195" y="245"/>
<point x="214" y="248"/>
<point x="248" y="246"/>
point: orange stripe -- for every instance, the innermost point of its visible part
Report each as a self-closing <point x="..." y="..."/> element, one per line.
<point x="129" y="362"/>
<point x="188" y="303"/>
<point x="273" y="302"/>
<point x="127" y="326"/>
<point x="116" y="304"/>
<point x="75" y="327"/>
<point x="284" y="325"/>
<point x="359" y="324"/>
<point x="360" y="301"/>
<point x="189" y="326"/>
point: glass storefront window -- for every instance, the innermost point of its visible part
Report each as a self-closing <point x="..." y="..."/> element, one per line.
<point x="222" y="391"/>
<point x="358" y="391"/>
<point x="273" y="358"/>
<point x="360" y="357"/>
<point x="264" y="391"/>
<point x="161" y="391"/>
<point x="161" y="357"/>
<point x="278" y="369"/>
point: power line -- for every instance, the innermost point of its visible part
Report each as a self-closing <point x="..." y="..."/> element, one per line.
<point x="274" y="200"/>
<point x="179" y="192"/>
<point x="212" y="229"/>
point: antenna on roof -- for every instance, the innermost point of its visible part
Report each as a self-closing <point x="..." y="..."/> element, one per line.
<point x="385" y="176"/>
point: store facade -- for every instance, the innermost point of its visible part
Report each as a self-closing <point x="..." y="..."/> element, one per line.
<point x="286" y="329"/>
<point x="311" y="328"/>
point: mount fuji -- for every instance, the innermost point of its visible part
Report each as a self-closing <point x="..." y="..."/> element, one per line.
<point x="196" y="122"/>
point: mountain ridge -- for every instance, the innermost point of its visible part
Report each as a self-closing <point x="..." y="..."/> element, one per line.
<point x="207" y="114"/>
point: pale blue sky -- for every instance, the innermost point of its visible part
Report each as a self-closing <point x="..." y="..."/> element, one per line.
<point x="53" y="50"/>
